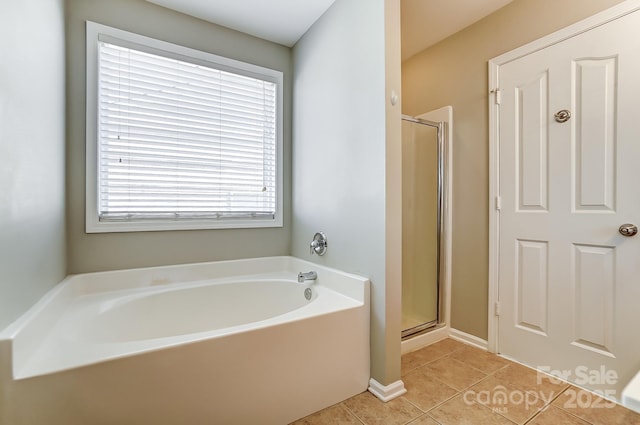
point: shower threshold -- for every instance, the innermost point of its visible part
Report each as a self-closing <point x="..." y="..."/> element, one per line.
<point x="421" y="328"/>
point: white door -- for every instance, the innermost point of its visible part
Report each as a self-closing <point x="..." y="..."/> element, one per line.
<point x="569" y="282"/>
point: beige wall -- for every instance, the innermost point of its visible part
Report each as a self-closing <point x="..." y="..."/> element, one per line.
<point x="454" y="72"/>
<point x="32" y="140"/>
<point x="92" y="252"/>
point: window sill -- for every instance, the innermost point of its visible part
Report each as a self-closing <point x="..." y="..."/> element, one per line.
<point x="95" y="226"/>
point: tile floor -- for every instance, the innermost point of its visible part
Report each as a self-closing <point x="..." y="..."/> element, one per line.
<point x="451" y="383"/>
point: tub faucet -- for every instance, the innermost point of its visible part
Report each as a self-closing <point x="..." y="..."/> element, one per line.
<point x="302" y="277"/>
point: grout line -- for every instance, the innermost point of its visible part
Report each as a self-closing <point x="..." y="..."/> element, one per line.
<point x="423" y="364"/>
<point x="495" y="412"/>
<point x="537" y="414"/>
<point x="485" y="352"/>
<point x="468" y="386"/>
<point x="352" y="413"/>
<point x="472" y="367"/>
<point x="559" y="394"/>
<point x="435" y="406"/>
<point x="571" y="412"/>
<point x="441" y="381"/>
<point x="473" y="385"/>
<point x="413" y="419"/>
<point x="434" y="419"/>
<point x="443" y="402"/>
<point x="549" y="406"/>
<point x="500" y="368"/>
<point x="412" y="403"/>
<point x="527" y="419"/>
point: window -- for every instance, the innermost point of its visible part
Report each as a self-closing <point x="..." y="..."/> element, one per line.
<point x="179" y="138"/>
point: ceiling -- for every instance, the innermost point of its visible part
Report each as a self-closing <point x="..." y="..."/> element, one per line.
<point x="424" y="22"/>
<point x="280" y="21"/>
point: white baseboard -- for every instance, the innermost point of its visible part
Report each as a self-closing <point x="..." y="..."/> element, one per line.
<point x="468" y="339"/>
<point x="388" y="392"/>
<point x="427" y="338"/>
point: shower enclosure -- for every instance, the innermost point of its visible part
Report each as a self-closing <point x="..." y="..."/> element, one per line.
<point x="423" y="153"/>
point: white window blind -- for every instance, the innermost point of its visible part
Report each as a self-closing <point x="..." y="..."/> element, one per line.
<point x="180" y="140"/>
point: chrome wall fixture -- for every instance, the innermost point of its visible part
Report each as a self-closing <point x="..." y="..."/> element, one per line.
<point x="319" y="244"/>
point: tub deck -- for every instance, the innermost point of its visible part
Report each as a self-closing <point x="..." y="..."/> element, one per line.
<point x="82" y="336"/>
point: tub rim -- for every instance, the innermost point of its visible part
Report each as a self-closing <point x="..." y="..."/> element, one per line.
<point x="24" y="336"/>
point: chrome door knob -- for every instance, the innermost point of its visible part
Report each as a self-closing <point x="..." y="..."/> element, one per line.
<point x="628" y="229"/>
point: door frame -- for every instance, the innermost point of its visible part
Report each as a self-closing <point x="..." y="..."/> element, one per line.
<point x="573" y="30"/>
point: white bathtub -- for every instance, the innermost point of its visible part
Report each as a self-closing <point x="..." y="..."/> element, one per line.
<point x="232" y="342"/>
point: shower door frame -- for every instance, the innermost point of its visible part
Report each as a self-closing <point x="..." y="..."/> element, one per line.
<point x="442" y="218"/>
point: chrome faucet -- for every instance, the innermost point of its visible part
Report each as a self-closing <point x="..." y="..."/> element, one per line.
<point x="302" y="277"/>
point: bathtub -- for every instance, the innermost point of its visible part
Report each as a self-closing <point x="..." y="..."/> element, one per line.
<point x="230" y="342"/>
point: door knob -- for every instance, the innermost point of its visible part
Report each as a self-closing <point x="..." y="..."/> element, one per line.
<point x="628" y="229"/>
<point x="562" y="116"/>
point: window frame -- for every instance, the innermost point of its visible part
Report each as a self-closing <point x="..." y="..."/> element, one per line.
<point x="97" y="32"/>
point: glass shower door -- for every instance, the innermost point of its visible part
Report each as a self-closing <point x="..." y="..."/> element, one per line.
<point x="420" y="223"/>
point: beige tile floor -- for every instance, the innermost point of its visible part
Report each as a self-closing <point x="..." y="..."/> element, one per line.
<point x="451" y="383"/>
